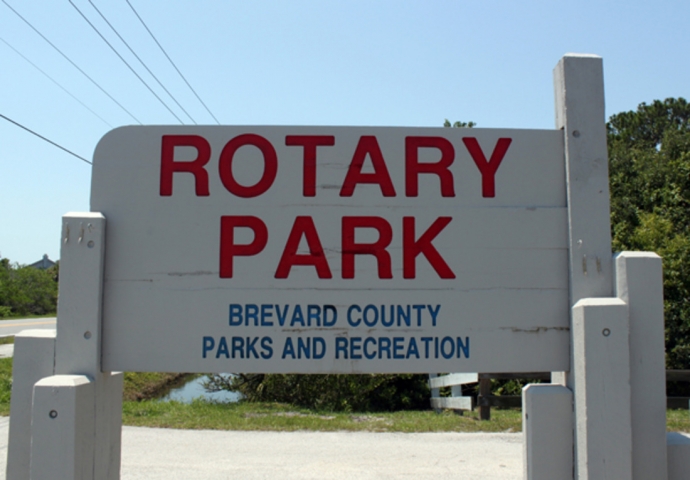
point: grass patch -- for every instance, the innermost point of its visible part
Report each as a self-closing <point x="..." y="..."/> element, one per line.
<point x="678" y="421"/>
<point x="281" y="417"/>
<point x="5" y="385"/>
<point x="7" y="340"/>
<point x="22" y="317"/>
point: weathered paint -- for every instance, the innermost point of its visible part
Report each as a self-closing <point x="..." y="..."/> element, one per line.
<point x="212" y="225"/>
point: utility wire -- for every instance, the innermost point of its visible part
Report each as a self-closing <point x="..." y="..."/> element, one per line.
<point x="70" y="61"/>
<point x="44" y="138"/>
<point x="171" y="62"/>
<point x="141" y="61"/>
<point x="55" y="81"/>
<point x="125" y="61"/>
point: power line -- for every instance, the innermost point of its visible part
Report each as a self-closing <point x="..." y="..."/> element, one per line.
<point x="141" y="61"/>
<point x="171" y="61"/>
<point x="44" y="138"/>
<point x="70" y="61"/>
<point x="54" y="81"/>
<point x="125" y="62"/>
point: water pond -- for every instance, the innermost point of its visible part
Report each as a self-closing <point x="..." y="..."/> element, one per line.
<point x="195" y="389"/>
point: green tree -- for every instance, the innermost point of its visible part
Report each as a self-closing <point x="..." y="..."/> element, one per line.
<point x="331" y="392"/>
<point x="26" y="290"/>
<point x="649" y="169"/>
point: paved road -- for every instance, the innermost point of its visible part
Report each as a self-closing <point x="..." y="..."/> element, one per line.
<point x="152" y="454"/>
<point x="13" y="327"/>
<point x="10" y="328"/>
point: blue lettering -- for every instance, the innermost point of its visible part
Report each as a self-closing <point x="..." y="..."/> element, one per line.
<point x="303" y="346"/>
<point x="326" y="321"/>
<point x="398" y="347"/>
<point x="412" y="349"/>
<point x="426" y="341"/>
<point x="349" y="316"/>
<point x="465" y="347"/>
<point x="251" y="312"/>
<point x="365" y="317"/>
<point x="355" y="347"/>
<point x="266" y="348"/>
<point x="235" y="315"/>
<point x="238" y="346"/>
<point x="434" y="313"/>
<point x="419" y="309"/>
<point x="266" y="313"/>
<point x="282" y="316"/>
<point x="314" y="313"/>
<point x="297" y="316"/>
<point x="222" y="348"/>
<point x="391" y="320"/>
<point x="340" y="346"/>
<point x="251" y="347"/>
<point x="404" y="315"/>
<point x="288" y="350"/>
<point x="319" y="346"/>
<point x="209" y="343"/>
<point x="384" y="346"/>
<point x="446" y="341"/>
<point x="367" y="354"/>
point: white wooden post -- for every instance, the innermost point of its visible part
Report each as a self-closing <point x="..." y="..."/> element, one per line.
<point x="579" y="88"/>
<point x="62" y="444"/>
<point x="34" y="359"/>
<point x="602" y="399"/>
<point x="639" y="283"/>
<point x="78" y="344"/>
<point x="580" y="113"/>
<point x="579" y="92"/>
<point x="678" y="445"/>
<point x="547" y="423"/>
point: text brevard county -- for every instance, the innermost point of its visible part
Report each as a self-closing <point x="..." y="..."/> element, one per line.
<point x="295" y="318"/>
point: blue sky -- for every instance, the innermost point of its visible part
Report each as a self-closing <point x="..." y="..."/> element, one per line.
<point x="402" y="63"/>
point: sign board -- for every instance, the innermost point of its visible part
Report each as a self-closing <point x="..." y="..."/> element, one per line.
<point x="333" y="249"/>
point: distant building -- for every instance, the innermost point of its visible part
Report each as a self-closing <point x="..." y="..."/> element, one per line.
<point x="43" y="264"/>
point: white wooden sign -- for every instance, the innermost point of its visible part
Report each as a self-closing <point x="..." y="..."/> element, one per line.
<point x="333" y="249"/>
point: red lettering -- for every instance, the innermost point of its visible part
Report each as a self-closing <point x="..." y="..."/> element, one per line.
<point x="229" y="250"/>
<point x="309" y="142"/>
<point x="487" y="169"/>
<point x="367" y="145"/>
<point x="195" y="167"/>
<point x="350" y="247"/>
<point x="303" y="226"/>
<point x="412" y="248"/>
<point x="413" y="168"/>
<point x="270" y="165"/>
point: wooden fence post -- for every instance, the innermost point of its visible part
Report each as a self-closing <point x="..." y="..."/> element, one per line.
<point x="483" y="400"/>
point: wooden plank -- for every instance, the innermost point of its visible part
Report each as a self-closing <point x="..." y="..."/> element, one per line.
<point x="678" y="403"/>
<point x="453" y="379"/>
<point x="503" y="401"/>
<point x="678" y="375"/>
<point x="453" y="403"/>
<point x="516" y="376"/>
